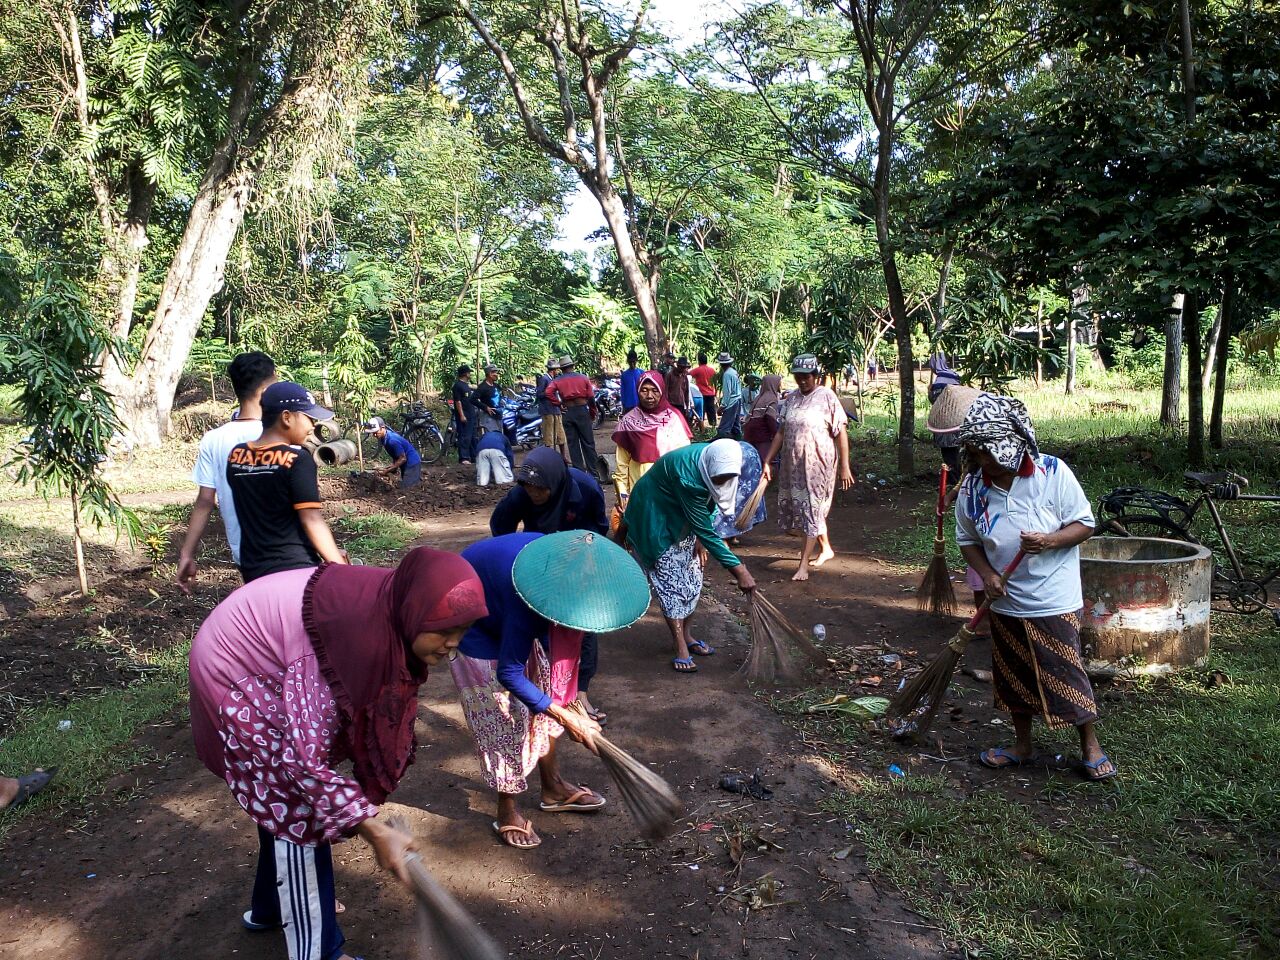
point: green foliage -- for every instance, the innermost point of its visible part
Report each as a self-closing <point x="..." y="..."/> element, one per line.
<point x="57" y="355"/>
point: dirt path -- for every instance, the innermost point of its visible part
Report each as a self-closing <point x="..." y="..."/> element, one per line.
<point x="168" y="872"/>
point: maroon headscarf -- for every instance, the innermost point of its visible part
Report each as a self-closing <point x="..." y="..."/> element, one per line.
<point x="362" y="622"/>
<point x="647" y="436"/>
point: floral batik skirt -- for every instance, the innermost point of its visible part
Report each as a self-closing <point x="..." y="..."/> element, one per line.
<point x="677" y="579"/>
<point x="510" y="739"/>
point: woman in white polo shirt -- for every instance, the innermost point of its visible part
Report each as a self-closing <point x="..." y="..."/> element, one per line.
<point x="1018" y="498"/>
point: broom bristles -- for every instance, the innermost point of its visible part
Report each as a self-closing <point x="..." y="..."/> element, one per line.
<point x="649" y="799"/>
<point x="443" y="922"/>
<point x="919" y="700"/>
<point x="936" y="593"/>
<point x="743" y="520"/>
<point x="774" y="643"/>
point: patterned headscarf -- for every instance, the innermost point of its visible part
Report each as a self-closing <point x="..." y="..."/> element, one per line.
<point x="1000" y="426"/>
<point x="647" y="435"/>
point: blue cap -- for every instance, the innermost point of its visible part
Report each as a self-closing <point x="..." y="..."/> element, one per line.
<point x="292" y="396"/>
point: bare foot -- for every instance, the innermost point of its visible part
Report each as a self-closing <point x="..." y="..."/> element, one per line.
<point x="822" y="557"/>
<point x="801" y="574"/>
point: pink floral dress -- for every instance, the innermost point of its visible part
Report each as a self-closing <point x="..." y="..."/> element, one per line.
<point x="808" y="460"/>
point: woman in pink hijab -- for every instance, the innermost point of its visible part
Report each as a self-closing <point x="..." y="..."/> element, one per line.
<point x="299" y="671"/>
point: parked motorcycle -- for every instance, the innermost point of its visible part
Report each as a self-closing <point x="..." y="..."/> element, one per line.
<point x="521" y="421"/>
<point x="609" y="401"/>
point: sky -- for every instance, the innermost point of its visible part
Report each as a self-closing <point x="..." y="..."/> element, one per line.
<point x="686" y="20"/>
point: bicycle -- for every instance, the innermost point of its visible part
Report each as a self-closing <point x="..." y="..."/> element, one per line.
<point x="419" y="427"/>
<point x="1138" y="512"/>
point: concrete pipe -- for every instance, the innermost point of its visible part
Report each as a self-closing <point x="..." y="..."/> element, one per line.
<point x="1146" y="604"/>
<point x="336" y="452"/>
<point x="606" y="463"/>
<point x="328" y="431"/>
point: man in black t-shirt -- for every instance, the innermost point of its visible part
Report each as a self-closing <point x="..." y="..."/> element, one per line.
<point x="486" y="399"/>
<point x="277" y="497"/>
<point x="464" y="415"/>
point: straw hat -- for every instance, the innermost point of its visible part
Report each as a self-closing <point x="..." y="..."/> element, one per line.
<point x="949" y="410"/>
<point x="581" y="580"/>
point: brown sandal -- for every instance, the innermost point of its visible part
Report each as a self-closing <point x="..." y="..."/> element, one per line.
<point x="571" y="805"/>
<point x="508" y="832"/>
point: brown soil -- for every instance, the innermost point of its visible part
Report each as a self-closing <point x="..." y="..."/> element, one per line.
<point x="170" y="870"/>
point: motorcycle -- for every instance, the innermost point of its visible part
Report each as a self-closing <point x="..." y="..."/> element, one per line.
<point x="608" y="401"/>
<point x="521" y="421"/>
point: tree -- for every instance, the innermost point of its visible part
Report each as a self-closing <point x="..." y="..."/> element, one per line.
<point x="850" y="83"/>
<point x="203" y="106"/>
<point x="56" y="355"/>
<point x="584" y="51"/>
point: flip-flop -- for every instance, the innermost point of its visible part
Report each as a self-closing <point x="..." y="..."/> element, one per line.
<point x="1012" y="759"/>
<point x="30" y="785"/>
<point x="684" y="665"/>
<point x="1092" y="776"/>
<point x="571" y="805"/>
<point x="701" y="648"/>
<point x="526" y="831"/>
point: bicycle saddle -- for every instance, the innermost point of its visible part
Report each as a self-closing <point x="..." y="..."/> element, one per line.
<point x="1206" y="480"/>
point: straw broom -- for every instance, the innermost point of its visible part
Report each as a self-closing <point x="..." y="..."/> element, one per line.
<point x="743" y="520"/>
<point x="772" y="658"/>
<point x="446" y="931"/>
<point x="649" y="799"/>
<point x="913" y="709"/>
<point x="935" y="593"/>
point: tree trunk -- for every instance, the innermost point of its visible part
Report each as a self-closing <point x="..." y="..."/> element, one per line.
<point x="129" y="246"/>
<point x="77" y="541"/>
<point x="1040" y="341"/>
<point x="1223" y="345"/>
<point x="1079" y="297"/>
<point x="1195" y="395"/>
<point x="1211" y="349"/>
<point x="944" y="275"/>
<point x="144" y="398"/>
<point x="1171" y="390"/>
<point x="615" y="215"/>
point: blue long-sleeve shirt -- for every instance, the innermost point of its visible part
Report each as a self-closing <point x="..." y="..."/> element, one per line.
<point x="631" y="387"/>
<point x="509" y="632"/>
<point x="497" y="440"/>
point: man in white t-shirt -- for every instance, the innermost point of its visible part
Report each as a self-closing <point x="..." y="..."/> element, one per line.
<point x="250" y="374"/>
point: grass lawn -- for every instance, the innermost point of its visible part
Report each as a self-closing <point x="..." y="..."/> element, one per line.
<point x="1178" y="857"/>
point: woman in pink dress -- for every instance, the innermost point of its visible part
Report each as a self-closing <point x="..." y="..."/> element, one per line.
<point x="299" y="671"/>
<point x="814" y="447"/>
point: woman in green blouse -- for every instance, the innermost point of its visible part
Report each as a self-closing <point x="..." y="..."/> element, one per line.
<point x="669" y="524"/>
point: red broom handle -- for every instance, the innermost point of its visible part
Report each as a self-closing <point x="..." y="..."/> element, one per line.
<point x="942" y="498"/>
<point x="986" y="604"/>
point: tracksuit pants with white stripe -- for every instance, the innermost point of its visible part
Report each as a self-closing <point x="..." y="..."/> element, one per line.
<point x="294" y="888"/>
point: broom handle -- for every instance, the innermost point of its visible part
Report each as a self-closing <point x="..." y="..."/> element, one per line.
<point x="986" y="604"/>
<point x="942" y="499"/>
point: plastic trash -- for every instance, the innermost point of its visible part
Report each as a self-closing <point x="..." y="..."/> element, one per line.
<point x="819" y="632"/>
<point x="896" y="771"/>
<point x="64" y="724"/>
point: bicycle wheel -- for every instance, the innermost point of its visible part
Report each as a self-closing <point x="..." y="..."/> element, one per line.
<point x="430" y="443"/>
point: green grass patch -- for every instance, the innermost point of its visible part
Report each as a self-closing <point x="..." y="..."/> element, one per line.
<point x="374" y="537"/>
<point x="99" y="744"/>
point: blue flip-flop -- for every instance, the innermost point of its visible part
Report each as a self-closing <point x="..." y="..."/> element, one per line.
<point x="684" y="665"/>
<point x="1093" y="776"/>
<point x="1002" y="754"/>
<point x="701" y="648"/>
<point x="30" y="785"/>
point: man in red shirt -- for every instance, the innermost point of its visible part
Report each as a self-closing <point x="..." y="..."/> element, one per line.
<point x="704" y="376"/>
<point x="575" y="394"/>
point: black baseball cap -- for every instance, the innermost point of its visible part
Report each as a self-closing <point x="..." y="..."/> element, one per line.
<point x="293" y="396"/>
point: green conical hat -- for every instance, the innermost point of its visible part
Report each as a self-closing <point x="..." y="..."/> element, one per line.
<point x="581" y="580"/>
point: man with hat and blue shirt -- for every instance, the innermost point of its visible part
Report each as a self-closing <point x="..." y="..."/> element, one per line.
<point x="730" y="399"/>
<point x="276" y="493"/>
<point x="404" y="455"/>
